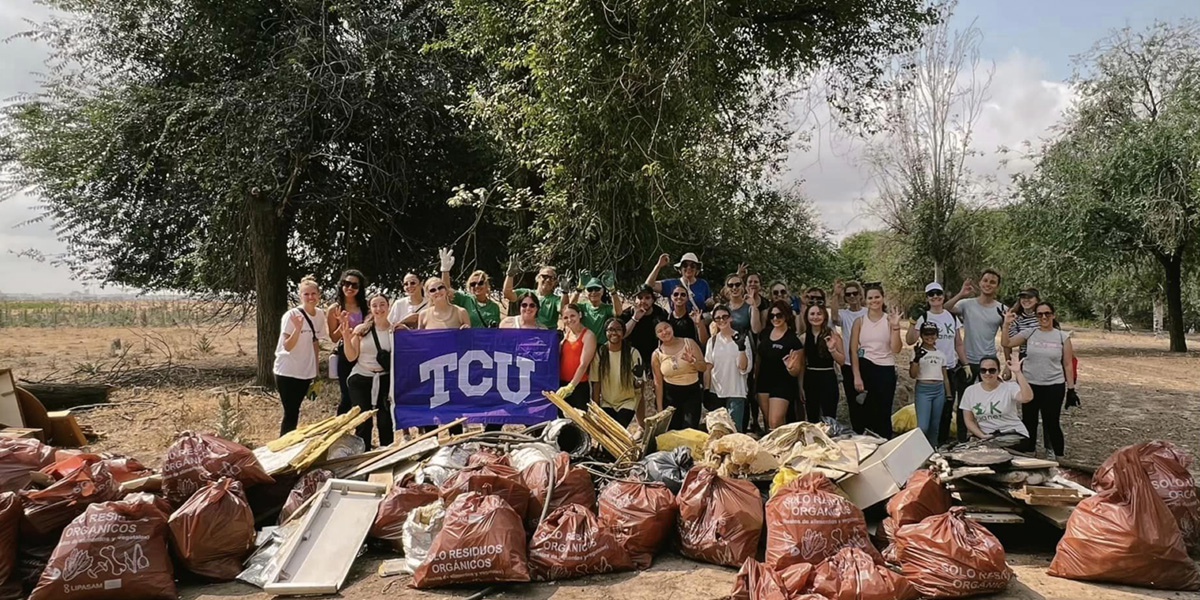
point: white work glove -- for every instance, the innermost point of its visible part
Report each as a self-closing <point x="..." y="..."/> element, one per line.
<point x="446" y="255"/>
<point x="967" y="372"/>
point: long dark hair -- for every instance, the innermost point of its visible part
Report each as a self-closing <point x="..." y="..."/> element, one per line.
<point x="825" y="332"/>
<point x="626" y="366"/>
<point x="362" y="289"/>
<point x="786" y="308"/>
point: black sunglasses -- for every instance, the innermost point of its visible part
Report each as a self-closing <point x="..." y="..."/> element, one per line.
<point x="1045" y="314"/>
<point x="735" y="284"/>
<point x="679" y="295"/>
<point x="436" y="289"/>
<point x="776" y="315"/>
<point x="933" y="293"/>
<point x="815" y="301"/>
<point x="687" y="265"/>
<point x="529" y="305"/>
<point x="594" y="289"/>
<point x="349" y="284"/>
<point x="989" y="370"/>
<point x="851" y="294"/>
<point x="778" y="292"/>
<point x="475" y="284"/>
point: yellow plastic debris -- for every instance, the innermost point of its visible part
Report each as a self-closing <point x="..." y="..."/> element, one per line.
<point x="782" y="477"/>
<point x="693" y="439"/>
<point x="905" y="420"/>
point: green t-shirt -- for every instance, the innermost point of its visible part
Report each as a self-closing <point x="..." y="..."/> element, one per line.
<point x="548" y="313"/>
<point x="594" y="317"/>
<point x="482" y="315"/>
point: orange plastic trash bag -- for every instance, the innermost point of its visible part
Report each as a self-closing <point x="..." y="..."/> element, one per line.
<point x="482" y="541"/>
<point x="852" y="574"/>
<point x="488" y="479"/>
<point x="951" y="556"/>
<point x="720" y="518"/>
<point x="213" y="532"/>
<point x="808" y="522"/>
<point x="923" y="496"/>
<point x="196" y="459"/>
<point x="571" y="543"/>
<point x="1167" y="467"/>
<point x="640" y="515"/>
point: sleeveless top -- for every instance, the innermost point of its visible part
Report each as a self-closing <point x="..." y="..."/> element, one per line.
<point x="431" y="319"/>
<point x="816" y="353"/>
<point x="675" y="370"/>
<point x="875" y="341"/>
<point x="571" y="356"/>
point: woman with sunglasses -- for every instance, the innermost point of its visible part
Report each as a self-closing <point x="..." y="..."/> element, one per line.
<point x="821" y="354"/>
<point x="731" y="360"/>
<point x="677" y="365"/>
<point x="483" y="311"/>
<point x="577" y="350"/>
<point x="1049" y="368"/>
<point x="600" y="306"/>
<point x="441" y="314"/>
<point x="950" y="344"/>
<point x="527" y="314"/>
<point x="744" y="318"/>
<point x="298" y="350"/>
<point x="1025" y="314"/>
<point x="616" y="376"/>
<point x="370" y="346"/>
<point x="684" y="322"/>
<point x="403" y="314"/>
<point x="990" y="406"/>
<point x="874" y="343"/>
<point x="351" y="283"/>
<point x="778" y="366"/>
<point x="549" y="303"/>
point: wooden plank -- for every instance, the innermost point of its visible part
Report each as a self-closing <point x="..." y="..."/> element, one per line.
<point x="982" y="502"/>
<point x="22" y="432"/>
<point x="408" y="452"/>
<point x="995" y="518"/>
<point x="33" y="412"/>
<point x="379" y="463"/>
<point x="1057" y="515"/>
<point x="65" y="430"/>
<point x="1026" y="464"/>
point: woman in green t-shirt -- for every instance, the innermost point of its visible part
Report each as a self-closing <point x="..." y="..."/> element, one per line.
<point x="481" y="308"/>
<point x="599" y="308"/>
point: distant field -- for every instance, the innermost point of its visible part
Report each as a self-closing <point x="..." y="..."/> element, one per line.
<point x="115" y="313"/>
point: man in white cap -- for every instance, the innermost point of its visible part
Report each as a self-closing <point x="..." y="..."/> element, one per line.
<point x="689" y="269"/>
<point x="950" y="344"/>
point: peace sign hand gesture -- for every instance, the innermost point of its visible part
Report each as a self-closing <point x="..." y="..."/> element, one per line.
<point x="687" y="355"/>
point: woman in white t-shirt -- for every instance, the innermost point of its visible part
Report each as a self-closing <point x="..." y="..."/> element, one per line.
<point x="370" y="345"/>
<point x="403" y="314"/>
<point x="297" y="352"/>
<point x="932" y="385"/>
<point x="991" y="406"/>
<point x="730" y="355"/>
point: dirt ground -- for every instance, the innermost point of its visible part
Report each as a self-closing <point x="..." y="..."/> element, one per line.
<point x="173" y="379"/>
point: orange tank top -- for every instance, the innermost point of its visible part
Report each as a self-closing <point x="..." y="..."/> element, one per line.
<point x="570" y="357"/>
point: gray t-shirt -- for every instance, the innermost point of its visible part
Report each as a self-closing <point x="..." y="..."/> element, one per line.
<point x="947" y="332"/>
<point x="997" y="410"/>
<point x="980" y="324"/>
<point x="1043" y="359"/>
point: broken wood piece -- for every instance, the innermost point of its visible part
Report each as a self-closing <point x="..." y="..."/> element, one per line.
<point x="149" y="483"/>
<point x="385" y="459"/>
<point x="995" y="518"/>
<point x="1025" y="463"/>
<point x="23" y="432"/>
<point x="410" y="451"/>
<point x="63" y="396"/>
<point x="1036" y="495"/>
<point x="65" y="430"/>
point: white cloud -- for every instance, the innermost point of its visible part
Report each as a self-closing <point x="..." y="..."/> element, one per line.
<point x="1022" y="106"/>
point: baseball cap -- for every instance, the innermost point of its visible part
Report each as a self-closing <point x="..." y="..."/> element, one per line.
<point x="1029" y="291"/>
<point x="934" y="286"/>
<point x="929" y="327"/>
<point x="645" y="289"/>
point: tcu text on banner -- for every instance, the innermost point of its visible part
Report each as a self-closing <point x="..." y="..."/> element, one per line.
<point x="486" y="375"/>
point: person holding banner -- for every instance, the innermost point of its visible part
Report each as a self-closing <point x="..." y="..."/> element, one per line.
<point x="577" y="351"/>
<point x="483" y="311"/>
<point x="550" y="304"/>
<point x="677" y="365"/>
<point x="616" y="376"/>
<point x="370" y="344"/>
<point x="697" y="289"/>
<point x="297" y="352"/>
<point x="527" y="317"/>
<point x="441" y="314"/>
<point x="403" y="314"/>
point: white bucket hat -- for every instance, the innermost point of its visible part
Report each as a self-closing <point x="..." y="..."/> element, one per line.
<point x="688" y="257"/>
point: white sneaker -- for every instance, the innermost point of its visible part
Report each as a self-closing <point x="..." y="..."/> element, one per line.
<point x="1050" y="455"/>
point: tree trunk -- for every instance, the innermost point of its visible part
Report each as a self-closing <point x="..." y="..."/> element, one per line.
<point x="938" y="275"/>
<point x="268" y="259"/>
<point x="1173" y="266"/>
<point x="1108" y="317"/>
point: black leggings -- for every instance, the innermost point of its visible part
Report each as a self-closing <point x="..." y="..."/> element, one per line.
<point x="686" y="400"/>
<point x="875" y="413"/>
<point x="291" y="394"/>
<point x="343" y="376"/>
<point x="360" y="396"/>
<point x="624" y="416"/>
<point x="1047" y="401"/>
<point x="820" y="395"/>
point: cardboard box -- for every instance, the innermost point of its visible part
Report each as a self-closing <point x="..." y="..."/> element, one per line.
<point x="882" y="474"/>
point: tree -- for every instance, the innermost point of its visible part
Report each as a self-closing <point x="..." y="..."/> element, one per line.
<point x="228" y="147"/>
<point x="630" y="127"/>
<point x="1121" y="183"/>
<point x="918" y="161"/>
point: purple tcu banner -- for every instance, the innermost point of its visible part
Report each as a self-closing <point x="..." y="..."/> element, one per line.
<point x="486" y="375"/>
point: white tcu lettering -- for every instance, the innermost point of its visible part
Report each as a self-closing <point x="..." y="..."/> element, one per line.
<point x="439" y="367"/>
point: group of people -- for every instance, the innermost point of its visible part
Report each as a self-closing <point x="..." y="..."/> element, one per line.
<point x="765" y="355"/>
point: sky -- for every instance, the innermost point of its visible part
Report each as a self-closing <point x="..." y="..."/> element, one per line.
<point x="1030" y="43"/>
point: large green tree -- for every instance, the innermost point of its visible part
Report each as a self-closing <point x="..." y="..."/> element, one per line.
<point x="229" y="146"/>
<point x="1120" y="185"/>
<point x="632" y="127"/>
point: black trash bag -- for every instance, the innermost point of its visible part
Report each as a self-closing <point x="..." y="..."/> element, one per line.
<point x="668" y="467"/>
<point x="836" y="429"/>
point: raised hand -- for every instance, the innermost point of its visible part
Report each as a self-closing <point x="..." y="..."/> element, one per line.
<point x="831" y="343"/>
<point x="1014" y="363"/>
<point x="740" y="340"/>
<point x="1009" y="317"/>
<point x="696" y="316"/>
<point x="968" y="287"/>
<point x="741" y="270"/>
<point x="446" y="257"/>
<point x="687" y="355"/>
<point x="792" y="361"/>
<point x="839" y="287"/>
<point x="638" y="313"/>
<point x="514" y="266"/>
<point x="894" y="316"/>
<point x="663" y="260"/>
<point x="297" y="320"/>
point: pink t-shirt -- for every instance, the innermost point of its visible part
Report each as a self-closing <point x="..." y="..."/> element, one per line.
<point x="875" y="341"/>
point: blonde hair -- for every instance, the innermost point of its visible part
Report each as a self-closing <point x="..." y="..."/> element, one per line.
<point x="480" y="273"/>
<point x="308" y="280"/>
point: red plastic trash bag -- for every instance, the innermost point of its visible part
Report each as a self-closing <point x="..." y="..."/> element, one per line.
<point x="1125" y="534"/>
<point x="640" y="515"/>
<point x="10" y="519"/>
<point x="951" y="556"/>
<point x="122" y="468"/>
<point x="113" y="550"/>
<point x="482" y="541"/>
<point x="572" y="485"/>
<point x="923" y="496"/>
<point x="196" y="459"/>
<point x="487" y="456"/>
<point x="571" y="543"/>
<point x="393" y="511"/>
<point x="46" y="512"/>
<point x="852" y="574"/>
<point x="1167" y="467"/>
<point x="489" y="479"/>
<point x="304" y="489"/>
<point x="20" y="457"/>
<point x="757" y="581"/>
<point x="808" y="522"/>
<point x="720" y="518"/>
<point x="213" y="532"/>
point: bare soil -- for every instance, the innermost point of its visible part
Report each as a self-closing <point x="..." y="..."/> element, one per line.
<point x="174" y="379"/>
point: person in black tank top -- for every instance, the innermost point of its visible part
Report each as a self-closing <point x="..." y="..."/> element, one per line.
<point x="822" y="353"/>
